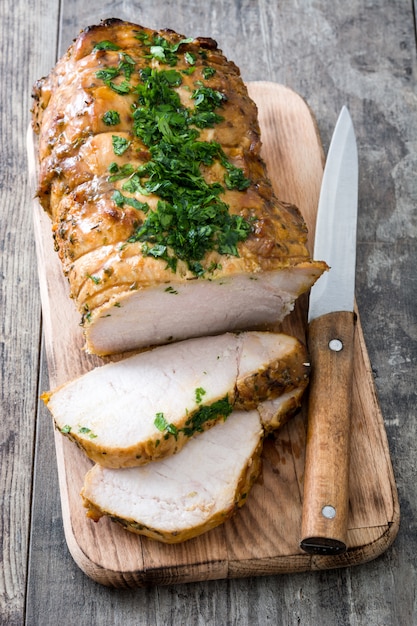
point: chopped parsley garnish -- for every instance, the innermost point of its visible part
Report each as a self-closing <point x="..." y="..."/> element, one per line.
<point x="190" y="218"/>
<point x="117" y="172"/>
<point x="205" y="119"/>
<point x="111" y="118"/>
<point x="120" y="144"/>
<point x="160" y="48"/>
<point x="235" y="179"/>
<point x="188" y="70"/>
<point x="195" y="423"/>
<point x="208" y="72"/>
<point x="221" y="408"/>
<point x="96" y="280"/>
<point x="107" y="74"/>
<point x="83" y="430"/>
<point x="190" y="58"/>
<point x="162" y="425"/>
<point x="106" y="45"/>
<point x="190" y="230"/>
<point x="125" y="68"/>
<point x="206" y="98"/>
<point x="199" y="394"/>
<point x="160" y="422"/>
<point x="119" y="199"/>
<point x="133" y="185"/>
<point x="120" y="88"/>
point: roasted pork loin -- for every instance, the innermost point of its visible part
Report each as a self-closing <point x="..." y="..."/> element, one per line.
<point x="162" y="212"/>
<point x="148" y="406"/>
<point x="178" y="498"/>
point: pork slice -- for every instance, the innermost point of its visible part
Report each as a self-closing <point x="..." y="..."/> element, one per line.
<point x="148" y="406"/>
<point x="275" y="413"/>
<point x="172" y="311"/>
<point x="178" y="498"/>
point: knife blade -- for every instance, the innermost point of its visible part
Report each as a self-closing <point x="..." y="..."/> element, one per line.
<point x="331" y="327"/>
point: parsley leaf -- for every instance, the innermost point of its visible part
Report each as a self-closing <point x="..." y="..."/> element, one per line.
<point x="205" y="119"/>
<point x="133" y="185"/>
<point x="108" y="73"/>
<point x="207" y="99"/>
<point x="96" y="280"/>
<point x="161" y="424"/>
<point x="161" y="49"/>
<point x="190" y="58"/>
<point x="120" y="200"/>
<point x="208" y="72"/>
<point x="220" y="408"/>
<point x="111" y="118"/>
<point x="160" y="421"/>
<point x="235" y="179"/>
<point x="105" y="45"/>
<point x="125" y="68"/>
<point x="117" y="173"/>
<point x="120" y="144"/>
<point x="199" y="393"/>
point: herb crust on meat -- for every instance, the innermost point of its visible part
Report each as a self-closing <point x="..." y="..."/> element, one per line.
<point x="162" y="212"/>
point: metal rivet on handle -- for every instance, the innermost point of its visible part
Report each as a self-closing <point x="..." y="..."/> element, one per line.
<point x="328" y="511"/>
<point x="336" y="345"/>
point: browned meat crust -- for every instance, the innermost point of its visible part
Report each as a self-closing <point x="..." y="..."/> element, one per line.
<point x="97" y="138"/>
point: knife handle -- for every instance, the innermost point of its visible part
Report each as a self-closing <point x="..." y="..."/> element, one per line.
<point x="326" y="477"/>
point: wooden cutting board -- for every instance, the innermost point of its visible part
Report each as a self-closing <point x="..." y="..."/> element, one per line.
<point x="263" y="537"/>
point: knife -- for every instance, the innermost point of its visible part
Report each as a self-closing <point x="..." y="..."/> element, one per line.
<point x="331" y="327"/>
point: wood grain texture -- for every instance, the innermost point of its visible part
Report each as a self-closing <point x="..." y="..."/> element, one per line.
<point x="362" y="54"/>
<point x="327" y="456"/>
<point x="20" y="310"/>
<point x="264" y="536"/>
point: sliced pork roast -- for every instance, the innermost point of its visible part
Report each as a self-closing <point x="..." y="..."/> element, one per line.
<point x="162" y="212"/>
<point x="275" y="413"/>
<point x="178" y="498"/>
<point x="147" y="406"/>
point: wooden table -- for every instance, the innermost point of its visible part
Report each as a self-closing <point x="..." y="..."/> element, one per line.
<point x="362" y="54"/>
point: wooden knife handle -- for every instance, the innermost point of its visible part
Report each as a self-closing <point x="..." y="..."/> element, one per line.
<point x="326" y="477"/>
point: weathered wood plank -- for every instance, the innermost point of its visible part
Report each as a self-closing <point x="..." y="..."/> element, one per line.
<point x="22" y="57"/>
